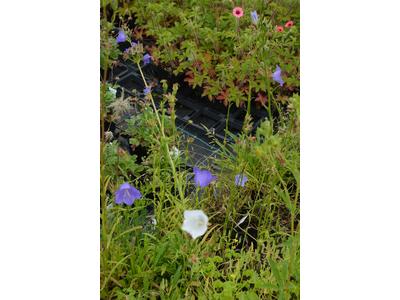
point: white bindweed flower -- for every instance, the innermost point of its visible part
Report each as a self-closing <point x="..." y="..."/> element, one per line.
<point x="195" y="222"/>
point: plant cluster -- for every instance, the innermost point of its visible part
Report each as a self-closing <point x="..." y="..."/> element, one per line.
<point x="234" y="233"/>
<point x="232" y="51"/>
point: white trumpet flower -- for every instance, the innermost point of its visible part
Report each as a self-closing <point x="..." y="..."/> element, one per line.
<point x="195" y="222"/>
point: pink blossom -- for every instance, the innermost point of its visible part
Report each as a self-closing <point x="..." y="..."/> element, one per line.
<point x="289" y="24"/>
<point x="237" y="12"/>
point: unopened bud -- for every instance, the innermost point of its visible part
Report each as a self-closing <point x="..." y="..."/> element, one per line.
<point x="164" y="85"/>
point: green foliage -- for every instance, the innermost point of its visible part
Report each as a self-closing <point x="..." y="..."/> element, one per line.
<point x="127" y="165"/>
<point x="160" y="261"/>
<point x="207" y="29"/>
<point x="143" y="260"/>
<point x="109" y="96"/>
<point x="110" y="49"/>
<point x="142" y="127"/>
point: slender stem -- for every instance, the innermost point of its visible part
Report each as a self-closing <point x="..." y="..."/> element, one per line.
<point x="119" y="142"/>
<point x="171" y="162"/>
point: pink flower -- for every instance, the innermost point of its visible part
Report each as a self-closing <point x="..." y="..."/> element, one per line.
<point x="237" y="12"/>
<point x="279" y="28"/>
<point x="251" y="26"/>
<point x="289" y="24"/>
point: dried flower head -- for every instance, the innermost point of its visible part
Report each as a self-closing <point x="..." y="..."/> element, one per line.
<point x="193" y="259"/>
<point x="108" y="136"/>
<point x="120" y="106"/>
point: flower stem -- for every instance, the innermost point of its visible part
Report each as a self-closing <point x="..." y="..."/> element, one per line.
<point x="171" y="162"/>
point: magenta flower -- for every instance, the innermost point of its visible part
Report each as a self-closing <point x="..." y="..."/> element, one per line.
<point x="202" y="177"/>
<point x="277" y="76"/>
<point x="146" y="59"/>
<point x="289" y="24"/>
<point x="279" y="28"/>
<point x="240" y="179"/>
<point x="127" y="194"/>
<point x="237" y="12"/>
<point x="121" y="37"/>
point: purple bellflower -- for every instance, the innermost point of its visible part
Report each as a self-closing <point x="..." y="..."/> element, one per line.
<point x="277" y="76"/>
<point x="146" y="59"/>
<point x="121" y="37"/>
<point x="240" y="179"/>
<point x="202" y="177"/>
<point x="146" y="90"/>
<point x="127" y="194"/>
<point x="254" y="17"/>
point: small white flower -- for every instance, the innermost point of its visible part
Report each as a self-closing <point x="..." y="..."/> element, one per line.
<point x="174" y="153"/>
<point x="195" y="222"/>
<point x="113" y="91"/>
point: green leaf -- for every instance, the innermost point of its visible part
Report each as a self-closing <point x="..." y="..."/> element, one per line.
<point x="276" y="273"/>
<point x="248" y="273"/>
<point x="270" y="286"/>
<point x="217" y="259"/>
<point x="176" y="276"/>
<point x="160" y="252"/>
<point x="217" y="284"/>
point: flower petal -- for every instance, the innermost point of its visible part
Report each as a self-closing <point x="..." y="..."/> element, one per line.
<point x="240" y="179"/>
<point x="127" y="194"/>
<point x="195" y="222"/>
<point x="277" y="76"/>
<point x="121" y="37"/>
<point x="203" y="178"/>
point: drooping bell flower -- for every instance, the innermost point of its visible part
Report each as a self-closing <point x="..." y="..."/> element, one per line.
<point x="277" y="76"/>
<point x="254" y="17"/>
<point x="146" y="59"/>
<point x="121" y="37"/>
